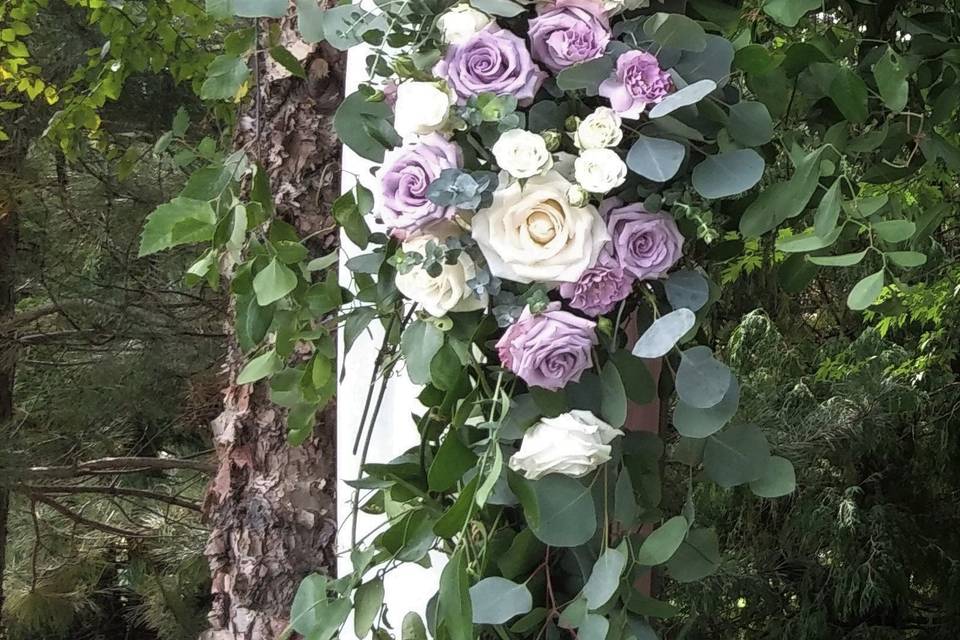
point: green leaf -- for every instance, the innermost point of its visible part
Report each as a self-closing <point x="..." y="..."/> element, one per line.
<point x="524" y="553"/>
<point x="656" y="159"/>
<point x="637" y="381"/>
<point x="778" y="479"/>
<point x="419" y="344"/>
<point x="625" y="508"/>
<point x="697" y="558"/>
<point x="593" y="627"/>
<point x="605" y="578"/>
<point x="288" y="61"/>
<point x="453" y="459"/>
<point x="702" y="381"/>
<point x="907" y="259"/>
<point x="713" y="63"/>
<point x="413" y="628"/>
<point x="505" y="8"/>
<point x="687" y="289"/>
<point x="728" y="173"/>
<point x="454" y="612"/>
<point x="344" y="25"/>
<point x="691" y="94"/>
<point x="660" y="545"/>
<point x="693" y="422"/>
<point x="314" y="614"/>
<point x="783" y="200"/>
<point x="845" y="260"/>
<point x="574" y="614"/>
<point x="567" y="514"/>
<point x="445" y="368"/>
<point x="490" y="481"/>
<point x="180" y="221"/>
<point x="828" y="211"/>
<point x="453" y="520"/>
<point x="675" y="30"/>
<point x="849" y="92"/>
<point x="789" y="12"/>
<point x="347" y="213"/>
<point x="895" y="231"/>
<point x="586" y="75"/>
<point x="323" y="262"/>
<point x="736" y="455"/>
<point x="357" y="123"/>
<point x="496" y="600"/>
<point x="891" y="79"/>
<point x="664" y="334"/>
<point x="260" y="367"/>
<point x="866" y="292"/>
<point x="750" y="123"/>
<point x="273" y="282"/>
<point x="225" y="75"/>
<point x="550" y="403"/>
<point x="367" y="602"/>
<point x="613" y="397"/>
<point x="807" y="241"/>
<point x="247" y="8"/>
<point x="310" y="20"/>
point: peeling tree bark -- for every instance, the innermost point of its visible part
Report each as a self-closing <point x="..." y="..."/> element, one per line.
<point x="271" y="507"/>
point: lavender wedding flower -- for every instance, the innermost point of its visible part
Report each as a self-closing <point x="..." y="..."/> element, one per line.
<point x="646" y="245"/>
<point x="638" y="81"/>
<point x="568" y="32"/>
<point x="549" y="349"/>
<point x="404" y="178"/>
<point x="600" y="287"/>
<point x="492" y="61"/>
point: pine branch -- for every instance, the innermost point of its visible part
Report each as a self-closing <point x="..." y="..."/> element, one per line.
<point x="87" y="522"/>
<point x="107" y="466"/>
<point x="110" y="491"/>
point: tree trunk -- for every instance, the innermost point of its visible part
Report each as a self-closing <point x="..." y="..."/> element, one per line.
<point x="271" y="507"/>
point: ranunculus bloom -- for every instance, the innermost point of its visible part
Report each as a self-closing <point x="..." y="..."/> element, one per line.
<point x="492" y="61"/>
<point x="404" y="178"/>
<point x="646" y="245"/>
<point x="449" y="290"/>
<point x="568" y="32"/>
<point x="533" y="234"/>
<point x="572" y="444"/>
<point x="637" y="82"/>
<point x="600" y="287"/>
<point x="549" y="349"/>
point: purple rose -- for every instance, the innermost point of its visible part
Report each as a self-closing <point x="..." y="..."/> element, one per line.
<point x="600" y="287"/>
<point x="639" y="81"/>
<point x="568" y="32"/>
<point x="491" y="61"/>
<point x="404" y="178"/>
<point x="549" y="349"/>
<point x="646" y="245"/>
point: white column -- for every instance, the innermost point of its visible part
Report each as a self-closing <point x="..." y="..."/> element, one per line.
<point x="408" y="588"/>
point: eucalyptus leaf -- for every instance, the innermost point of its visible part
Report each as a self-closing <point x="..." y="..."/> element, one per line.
<point x="828" y="211"/>
<point x="750" y="123"/>
<point x="691" y="94"/>
<point x="736" y="455"/>
<point x="496" y="600"/>
<point x="567" y="515"/>
<point x="697" y="558"/>
<point x="656" y="159"/>
<point x="891" y="76"/>
<point x="846" y="260"/>
<point x="907" y="259"/>
<point x="687" y="289"/>
<point x="505" y="8"/>
<point x="675" y="30"/>
<point x="605" y="578"/>
<point x="866" y="292"/>
<point x="728" y="173"/>
<point x="778" y="479"/>
<point x="664" y="333"/>
<point x="694" y="422"/>
<point x="663" y="542"/>
<point x="702" y="381"/>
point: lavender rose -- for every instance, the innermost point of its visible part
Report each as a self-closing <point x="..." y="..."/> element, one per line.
<point x="492" y="61"/>
<point x="638" y="82"/>
<point x="549" y="349"/>
<point x="646" y="245"/>
<point x="404" y="178"/>
<point x="568" y="32"/>
<point x="600" y="287"/>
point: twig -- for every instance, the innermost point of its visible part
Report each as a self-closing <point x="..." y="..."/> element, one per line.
<point x="79" y="519"/>
<point x="111" y="491"/>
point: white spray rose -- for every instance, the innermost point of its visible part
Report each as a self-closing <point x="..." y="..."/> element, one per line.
<point x="599" y="130"/>
<point x="449" y="290"/>
<point x="600" y="170"/>
<point x="421" y="108"/>
<point x="522" y="154"/>
<point x="572" y="444"/>
<point x="577" y="196"/>
<point x="460" y="22"/>
<point x="533" y="234"/>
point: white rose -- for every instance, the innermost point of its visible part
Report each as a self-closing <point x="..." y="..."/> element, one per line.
<point x="460" y="22"/>
<point x="449" y="290"/>
<point x="577" y="196"/>
<point x="532" y="234"/>
<point x="572" y="444"/>
<point x="616" y="6"/>
<point x="522" y="154"/>
<point x="600" y="170"/>
<point x="599" y="130"/>
<point x="421" y="108"/>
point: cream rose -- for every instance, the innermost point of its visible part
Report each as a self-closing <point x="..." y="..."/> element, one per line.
<point x="460" y="22"/>
<point x="533" y="234"/>
<point x="572" y="444"/>
<point x="599" y="130"/>
<point x="522" y="154"/>
<point x="421" y="108"/>
<point x="449" y="290"/>
<point x="600" y="170"/>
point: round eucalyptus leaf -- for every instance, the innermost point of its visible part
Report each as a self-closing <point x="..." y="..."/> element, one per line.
<point x="660" y="545"/>
<point x="702" y="380"/>
<point x="736" y="456"/>
<point x="713" y="63"/>
<point x="778" y="479"/>
<point x="727" y="174"/>
<point x="594" y="627"/>
<point x="700" y="423"/>
<point x="664" y="333"/>
<point x="750" y="123"/>
<point x="697" y="558"/>
<point x="605" y="578"/>
<point x="691" y="94"/>
<point x="496" y="600"/>
<point x="656" y="159"/>
<point x="687" y="289"/>
<point x="567" y="514"/>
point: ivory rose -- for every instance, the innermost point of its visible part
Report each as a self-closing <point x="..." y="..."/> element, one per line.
<point x="420" y="108"/>
<point x="599" y="130"/>
<point x="522" y="154"/>
<point x="600" y="170"/>
<point x="531" y="233"/>
<point x="571" y="444"/>
<point x="449" y="290"/>
<point x="460" y="22"/>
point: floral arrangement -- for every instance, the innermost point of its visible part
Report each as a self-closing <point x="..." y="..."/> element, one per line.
<point x="532" y="187"/>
